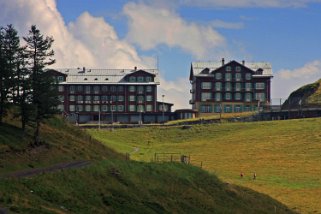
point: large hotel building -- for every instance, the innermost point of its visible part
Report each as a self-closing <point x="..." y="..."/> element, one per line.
<point x="111" y="95"/>
<point x="230" y="87"/>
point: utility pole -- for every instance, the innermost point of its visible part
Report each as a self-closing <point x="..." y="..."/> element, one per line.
<point x="163" y="109"/>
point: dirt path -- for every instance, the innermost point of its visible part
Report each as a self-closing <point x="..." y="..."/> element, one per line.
<point x="53" y="168"/>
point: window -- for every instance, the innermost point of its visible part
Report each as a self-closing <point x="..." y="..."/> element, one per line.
<point x="104" y="108"/>
<point x="148" y="88"/>
<point x="227" y="108"/>
<point x="113" y="98"/>
<point x="260" y="96"/>
<point x="248" y="97"/>
<point x="218" y="86"/>
<point x="72" y="108"/>
<point x="72" y="98"/>
<point x="140" y="89"/>
<point x="120" y="88"/>
<point x="205" y="96"/>
<point x="259" y="85"/>
<point x="96" y="99"/>
<point x="237" y="108"/>
<point x="218" y="97"/>
<point x="87" y="99"/>
<point x="238" y="86"/>
<point x="132" y="79"/>
<point x="140" y="79"/>
<point x="238" y="77"/>
<point x="206" y="108"/>
<point x="60" y="78"/>
<point x="60" y="107"/>
<point x="79" y="108"/>
<point x="132" y="98"/>
<point x="217" y="108"/>
<point x="228" y="86"/>
<point x="132" y="88"/>
<point x="238" y="68"/>
<point x="104" y="98"/>
<point x="132" y="108"/>
<point x="72" y="89"/>
<point x="96" y="108"/>
<point x="87" y="89"/>
<point x="80" y="99"/>
<point x="228" y="96"/>
<point x="248" y="76"/>
<point x="149" y="108"/>
<point x="60" y="88"/>
<point x="228" y="68"/>
<point x="120" y="98"/>
<point x="120" y="108"/>
<point x="238" y="96"/>
<point x="149" y="79"/>
<point x="228" y="77"/>
<point x="140" y="99"/>
<point x="113" y="88"/>
<point x="206" y="85"/>
<point x="149" y="98"/>
<point x="87" y="107"/>
<point x="218" y="76"/>
<point x="113" y="108"/>
<point x="248" y="86"/>
<point x="104" y="88"/>
<point x="140" y="108"/>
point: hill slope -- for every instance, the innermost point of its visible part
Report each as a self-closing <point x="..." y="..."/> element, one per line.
<point x="284" y="154"/>
<point x="306" y="96"/>
<point x="111" y="184"/>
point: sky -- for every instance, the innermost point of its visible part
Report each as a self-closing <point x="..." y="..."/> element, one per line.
<point x="170" y="34"/>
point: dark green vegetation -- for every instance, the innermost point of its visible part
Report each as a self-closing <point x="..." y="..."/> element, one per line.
<point x="111" y="184"/>
<point x="306" y="96"/>
<point x="24" y="81"/>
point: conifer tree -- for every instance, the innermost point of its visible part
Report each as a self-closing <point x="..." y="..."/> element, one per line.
<point x="44" y="91"/>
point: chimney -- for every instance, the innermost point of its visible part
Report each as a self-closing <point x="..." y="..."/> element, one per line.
<point x="83" y="69"/>
<point x="243" y="62"/>
<point x="223" y="61"/>
<point x="135" y="68"/>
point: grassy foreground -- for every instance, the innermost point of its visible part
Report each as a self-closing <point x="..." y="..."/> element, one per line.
<point x="110" y="184"/>
<point x="286" y="155"/>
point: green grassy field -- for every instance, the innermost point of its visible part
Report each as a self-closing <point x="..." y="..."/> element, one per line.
<point x="286" y="155"/>
<point x="110" y="184"/>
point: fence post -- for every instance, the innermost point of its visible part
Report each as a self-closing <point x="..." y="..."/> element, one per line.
<point x="201" y="164"/>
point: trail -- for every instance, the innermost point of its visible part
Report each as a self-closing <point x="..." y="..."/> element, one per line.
<point x="53" y="168"/>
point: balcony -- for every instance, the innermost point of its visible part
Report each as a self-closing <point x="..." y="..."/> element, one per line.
<point x="192" y="91"/>
<point x="191" y="102"/>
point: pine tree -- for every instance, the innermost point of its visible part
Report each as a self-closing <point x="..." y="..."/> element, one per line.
<point x="3" y="76"/>
<point x="44" y="91"/>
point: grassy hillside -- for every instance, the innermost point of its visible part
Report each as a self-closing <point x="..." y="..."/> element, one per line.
<point x="284" y="154"/>
<point x="306" y="96"/>
<point x="110" y="184"/>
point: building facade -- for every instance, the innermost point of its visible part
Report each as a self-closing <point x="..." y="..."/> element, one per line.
<point x="111" y="95"/>
<point x="230" y="87"/>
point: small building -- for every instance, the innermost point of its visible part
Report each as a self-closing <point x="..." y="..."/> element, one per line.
<point x="111" y="95"/>
<point x="229" y="87"/>
<point x="185" y="114"/>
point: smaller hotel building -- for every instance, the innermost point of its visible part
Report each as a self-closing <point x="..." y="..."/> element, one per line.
<point x="230" y="87"/>
<point x="111" y="95"/>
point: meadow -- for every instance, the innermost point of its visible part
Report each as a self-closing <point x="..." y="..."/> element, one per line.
<point x="285" y="155"/>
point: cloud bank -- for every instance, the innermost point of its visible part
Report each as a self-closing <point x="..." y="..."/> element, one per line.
<point x="286" y="81"/>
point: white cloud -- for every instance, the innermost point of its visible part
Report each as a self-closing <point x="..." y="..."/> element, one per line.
<point x="248" y="3"/>
<point x="89" y="41"/>
<point x="150" y="26"/>
<point x="227" y="25"/>
<point x="286" y="81"/>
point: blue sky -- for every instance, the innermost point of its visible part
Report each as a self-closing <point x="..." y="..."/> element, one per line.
<point x="100" y="33"/>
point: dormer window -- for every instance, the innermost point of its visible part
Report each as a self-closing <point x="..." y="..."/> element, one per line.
<point x="106" y="79"/>
<point x="96" y="79"/>
<point x="148" y="79"/>
<point x="228" y="68"/>
<point x="140" y="79"/>
<point x="132" y="79"/>
<point x="85" y="79"/>
<point x="60" y="78"/>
